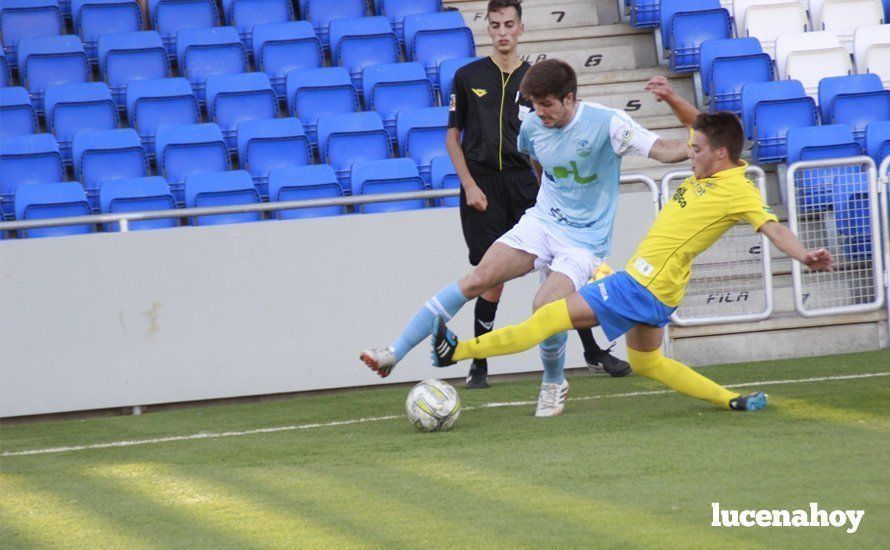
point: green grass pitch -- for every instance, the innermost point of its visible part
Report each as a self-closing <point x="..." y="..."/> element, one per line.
<point x="615" y="471"/>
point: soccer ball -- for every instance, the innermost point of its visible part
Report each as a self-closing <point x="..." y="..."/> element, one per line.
<point x="432" y="406"/>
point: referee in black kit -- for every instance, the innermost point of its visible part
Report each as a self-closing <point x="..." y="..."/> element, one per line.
<point x="497" y="182"/>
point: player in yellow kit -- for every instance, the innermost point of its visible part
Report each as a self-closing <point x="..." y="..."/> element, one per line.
<point x="639" y="300"/>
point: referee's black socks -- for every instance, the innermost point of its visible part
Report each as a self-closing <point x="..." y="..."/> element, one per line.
<point x="590" y="345"/>
<point x="485" y="312"/>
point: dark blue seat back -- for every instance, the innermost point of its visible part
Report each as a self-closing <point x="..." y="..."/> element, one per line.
<point x="689" y="30"/>
<point x="244" y="15"/>
<point x="155" y="103"/>
<point x="265" y="145"/>
<point x="305" y="183"/>
<point x="729" y="47"/>
<point x="421" y="134"/>
<point x="232" y="99"/>
<point x="72" y="108"/>
<point x="348" y="138"/>
<point x="209" y="189"/>
<point x="645" y="14"/>
<point x="170" y="16"/>
<point x="321" y="12"/>
<point x="184" y="150"/>
<point x="49" y="60"/>
<point x="26" y="159"/>
<point x="17" y="112"/>
<point x="387" y="176"/>
<point x="28" y="18"/>
<point x="205" y="52"/>
<point x="93" y="18"/>
<point x="312" y="93"/>
<point x="131" y="56"/>
<point x="281" y="47"/>
<point x="392" y="87"/>
<point x="444" y="176"/>
<point x="40" y="201"/>
<point x="137" y="195"/>
<point x="358" y="43"/>
<point x="877" y="138"/>
<point x="431" y="38"/>
<point x="397" y="10"/>
<point x="101" y="155"/>
<point x="730" y="74"/>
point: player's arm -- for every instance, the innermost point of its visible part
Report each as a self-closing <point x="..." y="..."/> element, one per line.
<point x="475" y="197"/>
<point x="669" y="150"/>
<point x="539" y="170"/>
<point x="787" y="242"/>
<point x="685" y="112"/>
<point x="628" y="137"/>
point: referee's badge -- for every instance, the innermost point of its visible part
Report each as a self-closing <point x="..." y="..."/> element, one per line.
<point x="452" y="103"/>
<point x="523" y="111"/>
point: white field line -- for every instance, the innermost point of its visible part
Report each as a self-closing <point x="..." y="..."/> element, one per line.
<point x="217" y="435"/>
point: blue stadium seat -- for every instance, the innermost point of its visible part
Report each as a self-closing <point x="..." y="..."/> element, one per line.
<point x="371" y="177"/>
<point x="71" y="108"/>
<point x="209" y="189"/>
<point x="205" y="52"/>
<point x="344" y="139"/>
<point x="357" y="43"/>
<point x="281" y="47"/>
<point x="244" y="15"/>
<point x="92" y="18"/>
<point x="184" y="150"/>
<point x="391" y="87"/>
<point x="49" y="60"/>
<point x="27" y="159"/>
<point x="688" y="28"/>
<point x="855" y="100"/>
<point x="16" y="112"/>
<point x="877" y="140"/>
<point x="769" y="109"/>
<point x="28" y="18"/>
<point x="155" y="103"/>
<point x="814" y="185"/>
<point x="137" y="195"/>
<point x="422" y="136"/>
<point x="5" y="71"/>
<point x="312" y="93"/>
<point x="39" y="201"/>
<point x="431" y="38"/>
<point x="444" y="176"/>
<point x="101" y="155"/>
<point x="321" y="12"/>
<point x="234" y="98"/>
<point x="305" y="183"/>
<point x="130" y="56"/>
<point x="852" y="215"/>
<point x="447" y="70"/>
<point x="722" y="49"/>
<point x="265" y="145"/>
<point x="168" y="17"/>
<point x="730" y="74"/>
<point x="397" y="10"/>
<point x="645" y="14"/>
<point x="670" y="8"/>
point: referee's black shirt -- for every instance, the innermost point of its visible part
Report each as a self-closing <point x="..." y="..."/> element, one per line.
<point x="484" y="105"/>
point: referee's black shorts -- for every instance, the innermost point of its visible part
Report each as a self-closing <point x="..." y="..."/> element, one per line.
<point x="510" y="194"/>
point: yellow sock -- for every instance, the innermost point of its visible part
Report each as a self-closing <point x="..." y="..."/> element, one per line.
<point x="551" y="319"/>
<point x="679" y="377"/>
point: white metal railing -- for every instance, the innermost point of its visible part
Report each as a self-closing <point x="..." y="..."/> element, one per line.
<point x="731" y="282"/>
<point x="884" y="176"/>
<point x="833" y="204"/>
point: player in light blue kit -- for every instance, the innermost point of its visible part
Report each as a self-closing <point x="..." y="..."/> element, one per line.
<point x="576" y="150"/>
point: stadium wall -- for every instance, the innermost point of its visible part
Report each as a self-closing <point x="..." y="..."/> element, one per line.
<point x="127" y="319"/>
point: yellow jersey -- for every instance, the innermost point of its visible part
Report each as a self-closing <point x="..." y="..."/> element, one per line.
<point x="699" y="212"/>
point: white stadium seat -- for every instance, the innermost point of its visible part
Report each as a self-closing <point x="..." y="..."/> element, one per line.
<point x="843" y="17"/>
<point x="872" y="51"/>
<point x="767" y="20"/>
<point x="809" y="57"/>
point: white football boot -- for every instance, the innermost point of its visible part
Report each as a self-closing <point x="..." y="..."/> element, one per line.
<point x="379" y="360"/>
<point x="552" y="399"/>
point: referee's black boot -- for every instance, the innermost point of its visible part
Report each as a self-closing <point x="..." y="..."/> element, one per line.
<point x="477" y="378"/>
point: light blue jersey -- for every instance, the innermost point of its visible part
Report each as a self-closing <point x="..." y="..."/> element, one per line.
<point x="582" y="170"/>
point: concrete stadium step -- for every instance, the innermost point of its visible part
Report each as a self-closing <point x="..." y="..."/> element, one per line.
<point x="629" y="95"/>
<point x="548" y="14"/>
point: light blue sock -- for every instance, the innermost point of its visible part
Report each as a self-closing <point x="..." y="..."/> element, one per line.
<point x="553" y="355"/>
<point x="444" y="304"/>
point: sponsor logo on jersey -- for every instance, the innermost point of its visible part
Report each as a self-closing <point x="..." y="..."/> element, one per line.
<point x="479" y="92"/>
<point x="562" y="172"/>
<point x="627" y="134"/>
<point x="644" y="267"/>
<point x="452" y="103"/>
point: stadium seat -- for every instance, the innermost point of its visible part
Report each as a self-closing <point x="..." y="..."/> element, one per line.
<point x="397" y="10"/>
<point x="431" y="38"/>
<point x="689" y="30"/>
<point x="41" y="201"/>
<point x="767" y="20"/>
<point x="872" y="51"/>
<point x="447" y="69"/>
<point x="321" y="12"/>
<point x="130" y="56"/>
<point x="305" y="183"/>
<point x="234" y="98"/>
<point x="16" y="112"/>
<point x="92" y="18"/>
<point x="265" y="145"/>
<point x="645" y="14"/>
<point x="27" y="159"/>
<point x="71" y="108"/>
<point x="49" y="60"/>
<point x="101" y="155"/>
<point x="729" y="75"/>
<point x="391" y="87"/>
<point x="205" y="52"/>
<point x="184" y="150"/>
<point x="168" y="17"/>
<point x="279" y="48"/>
<point x="444" y="176"/>
<point x="854" y="100"/>
<point x="155" y="103"/>
<point x="137" y="195"/>
<point x="5" y="71"/>
<point x="726" y="48"/>
<point x="843" y="17"/>
<point x="209" y="189"/>
<point x="357" y="43"/>
<point x="344" y="139"/>
<point x="769" y="109"/>
<point x="244" y="15"/>
<point x="25" y="19"/>
<point x="814" y="185"/>
<point x="422" y="136"/>
<point x="312" y="93"/>
<point x="371" y="177"/>
<point x="809" y="57"/>
<point x="877" y="140"/>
